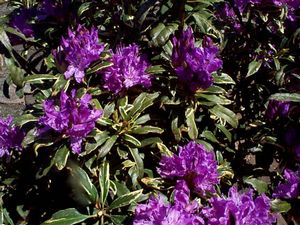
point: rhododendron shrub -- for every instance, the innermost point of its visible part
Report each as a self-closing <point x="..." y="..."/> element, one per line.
<point x="151" y="112"/>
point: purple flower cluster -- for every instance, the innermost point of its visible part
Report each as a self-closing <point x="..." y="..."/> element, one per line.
<point x="241" y="4"/>
<point x="195" y="165"/>
<point x="157" y="211"/>
<point x="226" y="15"/>
<point x="74" y="118"/>
<point x="194" y="65"/>
<point x="277" y="109"/>
<point x="128" y="69"/>
<point x="20" y="21"/>
<point x="81" y="48"/>
<point x="54" y="9"/>
<point x="291" y="188"/>
<point x="292" y="5"/>
<point x="11" y="136"/>
<point x="239" y="209"/>
<point x="291" y="139"/>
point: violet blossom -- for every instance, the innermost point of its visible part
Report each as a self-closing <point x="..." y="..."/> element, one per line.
<point x="20" y="21"/>
<point x="54" y="9"/>
<point x="292" y="6"/>
<point x="290" y="188"/>
<point x="81" y="48"/>
<point x="128" y="70"/>
<point x="242" y="4"/>
<point x="277" y="109"/>
<point x="291" y="139"/>
<point x="239" y="209"/>
<point x="157" y="211"/>
<point x="228" y="17"/>
<point x="73" y="117"/>
<point x="195" y="165"/>
<point x="11" y="136"/>
<point x="194" y="65"/>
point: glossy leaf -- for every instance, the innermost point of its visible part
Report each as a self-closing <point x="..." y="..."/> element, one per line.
<point x="126" y="199"/>
<point x="104" y="182"/>
<point x="66" y="217"/>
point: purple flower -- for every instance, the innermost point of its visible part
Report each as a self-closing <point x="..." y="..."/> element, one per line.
<point x="289" y="189"/>
<point x="194" y="65"/>
<point x="291" y="139"/>
<point x="128" y="70"/>
<point x="11" y="136"/>
<point x="159" y="212"/>
<point x="277" y="109"/>
<point x="241" y="4"/>
<point x="74" y="118"/>
<point x="227" y="16"/>
<point x="195" y="165"/>
<point x="292" y="5"/>
<point x="239" y="209"/>
<point x="80" y="48"/>
<point x="20" y="21"/>
<point x="54" y="9"/>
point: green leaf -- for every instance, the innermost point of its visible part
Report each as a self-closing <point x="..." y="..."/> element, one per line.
<point x="104" y="182"/>
<point x="5" y="40"/>
<point x="160" y="35"/>
<point x="280" y="206"/>
<point x="132" y="140"/>
<point x="204" y="23"/>
<point x="209" y="136"/>
<point x="259" y="185"/>
<point x="138" y="161"/>
<point x="61" y="157"/>
<point x="143" y="101"/>
<point x="157" y="69"/>
<point x="84" y="7"/>
<point x="60" y="84"/>
<point x="253" y="67"/>
<point x="108" y="109"/>
<point x="121" y="188"/>
<point x="215" y="99"/>
<point x="147" y="130"/>
<point x="190" y="121"/>
<point x="4" y="217"/>
<point x="66" y="217"/>
<point x="207" y="145"/>
<point x="292" y="97"/>
<point x="164" y="150"/>
<point x="118" y="219"/>
<point x="225" y="131"/>
<point x="126" y="199"/>
<point x="40" y="77"/>
<point x="150" y="141"/>
<point x="29" y="138"/>
<point x="137" y="104"/>
<point x="107" y="146"/>
<point x="175" y="130"/>
<point x="100" y="138"/>
<point x="15" y="73"/>
<point x="99" y="66"/>
<point x="214" y="90"/>
<point x="225" y="114"/>
<point x="123" y="112"/>
<point x="19" y="34"/>
<point x="143" y="119"/>
<point x="84" y="190"/>
<point x="25" y="118"/>
<point x="223" y="79"/>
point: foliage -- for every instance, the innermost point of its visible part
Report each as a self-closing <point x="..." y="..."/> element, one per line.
<point x="246" y="115"/>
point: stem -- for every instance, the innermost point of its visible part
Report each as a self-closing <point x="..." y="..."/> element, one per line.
<point x="179" y="9"/>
